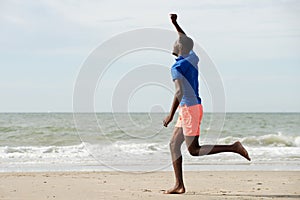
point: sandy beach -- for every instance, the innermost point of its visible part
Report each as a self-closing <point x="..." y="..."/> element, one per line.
<point x="118" y="185"/>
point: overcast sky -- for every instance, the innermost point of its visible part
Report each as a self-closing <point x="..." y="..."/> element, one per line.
<point x="254" y="44"/>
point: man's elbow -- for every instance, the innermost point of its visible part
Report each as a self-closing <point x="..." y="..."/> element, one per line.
<point x="179" y="94"/>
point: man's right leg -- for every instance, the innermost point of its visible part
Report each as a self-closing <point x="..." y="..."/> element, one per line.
<point x="175" y="146"/>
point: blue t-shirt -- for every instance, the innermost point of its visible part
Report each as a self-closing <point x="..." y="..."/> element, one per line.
<point x="186" y="69"/>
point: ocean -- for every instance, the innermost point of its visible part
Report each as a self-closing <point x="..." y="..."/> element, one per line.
<point x="138" y="142"/>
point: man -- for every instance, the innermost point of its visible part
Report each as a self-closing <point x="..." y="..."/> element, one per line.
<point x="185" y="76"/>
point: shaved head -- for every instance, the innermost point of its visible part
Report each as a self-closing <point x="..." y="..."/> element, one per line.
<point x="183" y="45"/>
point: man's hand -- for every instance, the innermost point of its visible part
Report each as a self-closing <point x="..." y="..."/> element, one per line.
<point x="173" y="17"/>
<point x="174" y="22"/>
<point x="167" y="120"/>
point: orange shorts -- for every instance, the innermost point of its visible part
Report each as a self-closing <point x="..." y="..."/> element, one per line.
<point x="189" y="119"/>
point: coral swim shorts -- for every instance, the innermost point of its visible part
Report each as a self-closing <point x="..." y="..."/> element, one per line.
<point x="189" y="119"/>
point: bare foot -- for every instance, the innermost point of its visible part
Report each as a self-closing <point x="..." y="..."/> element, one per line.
<point x="176" y="190"/>
<point x="241" y="150"/>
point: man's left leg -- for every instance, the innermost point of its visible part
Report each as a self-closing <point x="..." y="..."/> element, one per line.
<point x="195" y="149"/>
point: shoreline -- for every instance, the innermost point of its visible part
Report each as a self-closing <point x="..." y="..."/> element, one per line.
<point x="194" y="167"/>
<point x="137" y="185"/>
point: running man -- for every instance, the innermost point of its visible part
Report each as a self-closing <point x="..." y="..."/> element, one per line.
<point x="185" y="76"/>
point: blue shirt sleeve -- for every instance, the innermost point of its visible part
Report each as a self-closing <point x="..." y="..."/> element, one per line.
<point x="176" y="72"/>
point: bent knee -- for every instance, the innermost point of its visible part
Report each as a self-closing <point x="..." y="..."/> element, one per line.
<point x="193" y="151"/>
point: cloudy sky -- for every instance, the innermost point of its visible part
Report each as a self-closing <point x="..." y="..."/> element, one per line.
<point x="254" y="44"/>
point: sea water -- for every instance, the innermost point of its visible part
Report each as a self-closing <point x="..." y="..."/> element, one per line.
<point x="139" y="142"/>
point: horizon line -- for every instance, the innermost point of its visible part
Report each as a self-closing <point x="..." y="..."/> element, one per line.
<point x="144" y="112"/>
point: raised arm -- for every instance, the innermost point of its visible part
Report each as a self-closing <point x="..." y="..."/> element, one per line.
<point x="174" y="22"/>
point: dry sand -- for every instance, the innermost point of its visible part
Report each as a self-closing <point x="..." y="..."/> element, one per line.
<point x="116" y="185"/>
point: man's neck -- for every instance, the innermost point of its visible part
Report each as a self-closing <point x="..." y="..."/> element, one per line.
<point x="183" y="55"/>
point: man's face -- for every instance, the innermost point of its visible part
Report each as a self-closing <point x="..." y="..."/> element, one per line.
<point x="176" y="48"/>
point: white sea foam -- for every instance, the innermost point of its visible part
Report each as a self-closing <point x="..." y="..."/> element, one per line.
<point x="43" y="154"/>
<point x="129" y="152"/>
<point x="271" y="140"/>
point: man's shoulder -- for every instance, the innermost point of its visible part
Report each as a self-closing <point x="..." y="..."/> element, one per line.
<point x="177" y="64"/>
<point x="191" y="60"/>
